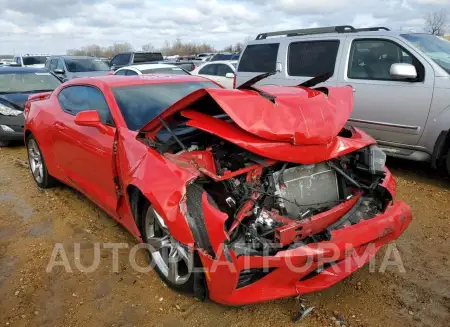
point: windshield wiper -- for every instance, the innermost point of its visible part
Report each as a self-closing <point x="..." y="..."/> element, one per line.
<point x="172" y="133"/>
<point x="316" y="80"/>
<point x="249" y="85"/>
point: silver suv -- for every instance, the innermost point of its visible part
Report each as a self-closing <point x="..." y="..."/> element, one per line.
<point x="401" y="81"/>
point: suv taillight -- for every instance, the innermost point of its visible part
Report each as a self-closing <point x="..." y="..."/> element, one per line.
<point x="234" y="81"/>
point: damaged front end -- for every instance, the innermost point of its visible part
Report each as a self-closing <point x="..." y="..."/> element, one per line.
<point x="270" y="217"/>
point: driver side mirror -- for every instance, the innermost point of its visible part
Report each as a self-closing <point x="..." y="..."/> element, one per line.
<point x="59" y="71"/>
<point x="229" y="75"/>
<point x="403" y="71"/>
<point x="91" y="118"/>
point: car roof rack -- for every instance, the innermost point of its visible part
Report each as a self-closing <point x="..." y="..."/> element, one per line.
<point x="320" y="30"/>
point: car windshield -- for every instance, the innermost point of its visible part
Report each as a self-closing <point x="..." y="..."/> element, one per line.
<point x="28" y="82"/>
<point x="437" y="48"/>
<point x="168" y="70"/>
<point x="34" y="60"/>
<point x="86" y="65"/>
<point x="141" y="103"/>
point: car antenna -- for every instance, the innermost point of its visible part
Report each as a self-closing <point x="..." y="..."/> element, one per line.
<point x="249" y="85"/>
<point x="171" y="133"/>
<point x="316" y="80"/>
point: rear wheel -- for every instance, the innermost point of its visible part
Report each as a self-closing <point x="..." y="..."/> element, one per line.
<point x="173" y="261"/>
<point x="37" y="165"/>
<point x="4" y="143"/>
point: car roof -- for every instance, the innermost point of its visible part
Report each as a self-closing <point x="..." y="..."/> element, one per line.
<point x="117" y="80"/>
<point x="221" y="62"/>
<point x="327" y="35"/>
<point x="21" y="70"/>
<point x="72" y="57"/>
<point x="149" y="66"/>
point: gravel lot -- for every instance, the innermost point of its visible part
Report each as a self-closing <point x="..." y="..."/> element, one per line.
<point x="33" y="220"/>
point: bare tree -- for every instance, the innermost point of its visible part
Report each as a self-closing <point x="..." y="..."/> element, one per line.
<point x="436" y="22"/>
<point x="148" y="47"/>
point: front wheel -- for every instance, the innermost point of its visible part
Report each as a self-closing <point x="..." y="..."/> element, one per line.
<point x="37" y="165"/>
<point x="173" y="261"/>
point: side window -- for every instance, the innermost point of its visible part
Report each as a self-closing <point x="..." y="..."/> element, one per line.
<point x="208" y="70"/>
<point x="130" y="72"/>
<point x="121" y="59"/>
<point x="223" y="69"/>
<point x="53" y="64"/>
<point x="372" y="59"/>
<point x="259" y="58"/>
<point x="75" y="99"/>
<point x="312" y="59"/>
<point x="121" y="72"/>
<point x="59" y="64"/>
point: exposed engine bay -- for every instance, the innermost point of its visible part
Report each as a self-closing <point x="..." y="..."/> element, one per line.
<point x="275" y="205"/>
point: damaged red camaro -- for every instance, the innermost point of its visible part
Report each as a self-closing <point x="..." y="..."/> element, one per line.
<point x="264" y="189"/>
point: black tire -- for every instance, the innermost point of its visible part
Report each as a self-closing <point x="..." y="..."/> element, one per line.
<point x="46" y="181"/>
<point x="196" y="284"/>
<point x="4" y="143"/>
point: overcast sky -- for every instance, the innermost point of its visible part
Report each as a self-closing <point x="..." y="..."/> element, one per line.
<point x="53" y="26"/>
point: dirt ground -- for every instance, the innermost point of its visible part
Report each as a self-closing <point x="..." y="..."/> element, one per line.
<point x="32" y="221"/>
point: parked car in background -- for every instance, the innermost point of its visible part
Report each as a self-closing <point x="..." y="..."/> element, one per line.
<point x="145" y="69"/>
<point x="17" y="84"/>
<point x="186" y="65"/>
<point x="225" y="56"/>
<point x="31" y="60"/>
<point x="203" y="176"/>
<point x="401" y="81"/>
<point x="6" y="61"/>
<point x="131" y="58"/>
<point x="68" y="67"/>
<point x="222" y="72"/>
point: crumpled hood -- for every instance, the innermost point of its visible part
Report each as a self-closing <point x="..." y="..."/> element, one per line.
<point x="300" y="116"/>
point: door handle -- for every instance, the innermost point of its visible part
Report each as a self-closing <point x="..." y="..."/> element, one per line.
<point x="60" y="127"/>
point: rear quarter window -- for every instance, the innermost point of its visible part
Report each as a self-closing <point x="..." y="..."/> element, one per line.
<point x="312" y="58"/>
<point x="259" y="58"/>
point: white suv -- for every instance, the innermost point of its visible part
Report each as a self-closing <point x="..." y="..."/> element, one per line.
<point x="401" y="81"/>
<point x="31" y="60"/>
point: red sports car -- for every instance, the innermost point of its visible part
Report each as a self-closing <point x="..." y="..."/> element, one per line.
<point x="242" y="195"/>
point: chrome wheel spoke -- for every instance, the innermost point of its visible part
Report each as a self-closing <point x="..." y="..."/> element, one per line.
<point x="157" y="243"/>
<point x="172" y="266"/>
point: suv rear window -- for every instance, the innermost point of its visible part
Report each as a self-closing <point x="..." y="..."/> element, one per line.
<point x="259" y="58"/>
<point x="147" y="57"/>
<point x="312" y="58"/>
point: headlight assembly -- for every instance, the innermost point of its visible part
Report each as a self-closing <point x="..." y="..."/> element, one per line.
<point x="7" y="111"/>
<point x="373" y="160"/>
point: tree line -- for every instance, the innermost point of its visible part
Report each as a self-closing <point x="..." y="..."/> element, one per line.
<point x="177" y="47"/>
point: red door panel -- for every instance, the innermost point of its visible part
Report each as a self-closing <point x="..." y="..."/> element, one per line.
<point x="85" y="155"/>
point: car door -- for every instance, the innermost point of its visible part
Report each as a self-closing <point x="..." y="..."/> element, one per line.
<point x="120" y="60"/>
<point x="389" y="109"/>
<point x="209" y="71"/>
<point x="222" y="71"/>
<point x="84" y="154"/>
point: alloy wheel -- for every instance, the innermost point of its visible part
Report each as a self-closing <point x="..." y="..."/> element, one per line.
<point x="172" y="258"/>
<point x="35" y="161"/>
